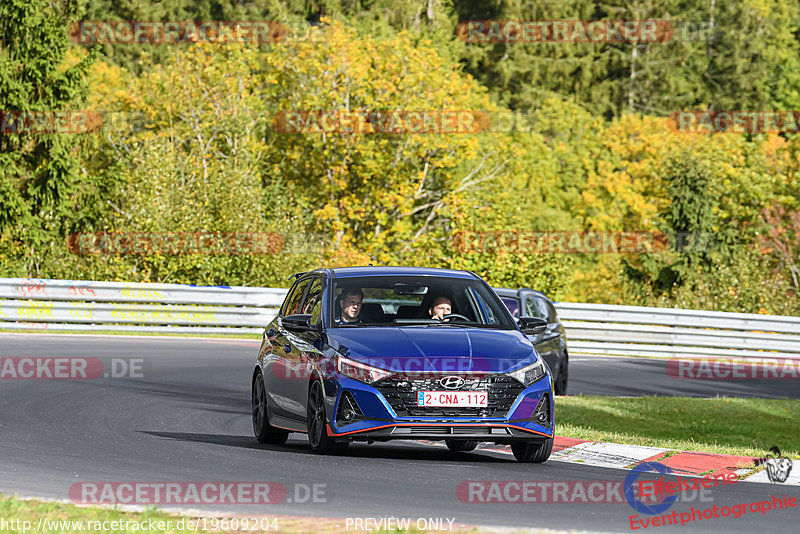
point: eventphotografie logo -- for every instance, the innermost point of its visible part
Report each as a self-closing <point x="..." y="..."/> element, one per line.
<point x="654" y="515"/>
<point x="633" y="497"/>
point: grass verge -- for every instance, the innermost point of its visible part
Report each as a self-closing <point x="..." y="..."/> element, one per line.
<point x="56" y="517"/>
<point x="721" y="425"/>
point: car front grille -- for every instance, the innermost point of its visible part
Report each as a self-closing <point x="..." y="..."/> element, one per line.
<point x="401" y="394"/>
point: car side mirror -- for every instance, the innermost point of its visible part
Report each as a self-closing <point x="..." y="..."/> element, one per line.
<point x="299" y="322"/>
<point x="532" y="325"/>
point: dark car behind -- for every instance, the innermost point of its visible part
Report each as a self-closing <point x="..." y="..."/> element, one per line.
<point x="552" y="343"/>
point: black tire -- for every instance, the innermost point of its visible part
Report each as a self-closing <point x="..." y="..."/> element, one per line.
<point x="560" y="387"/>
<point x="317" y="424"/>
<point x="461" y="445"/>
<point x="265" y="433"/>
<point x="534" y="452"/>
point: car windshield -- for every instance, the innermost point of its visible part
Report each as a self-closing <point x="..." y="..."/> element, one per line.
<point x="424" y="301"/>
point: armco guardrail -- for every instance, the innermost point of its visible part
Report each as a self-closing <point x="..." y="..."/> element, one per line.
<point x="675" y="333"/>
<point x="591" y="328"/>
<point x="84" y="305"/>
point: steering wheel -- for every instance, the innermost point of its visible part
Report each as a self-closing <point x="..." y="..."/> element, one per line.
<point x="455" y="316"/>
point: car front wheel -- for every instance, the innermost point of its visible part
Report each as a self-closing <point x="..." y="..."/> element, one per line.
<point x="317" y="424"/>
<point x="534" y="452"/>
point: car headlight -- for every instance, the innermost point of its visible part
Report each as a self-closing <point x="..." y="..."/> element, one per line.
<point x="359" y="371"/>
<point x="531" y="373"/>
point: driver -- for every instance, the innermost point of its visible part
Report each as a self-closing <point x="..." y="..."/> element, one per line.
<point x="440" y="306"/>
<point x="350" y="302"/>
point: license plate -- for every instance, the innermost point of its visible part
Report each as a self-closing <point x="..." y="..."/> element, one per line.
<point x="460" y="399"/>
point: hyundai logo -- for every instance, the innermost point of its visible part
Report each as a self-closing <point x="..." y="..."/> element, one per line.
<point x="452" y="382"/>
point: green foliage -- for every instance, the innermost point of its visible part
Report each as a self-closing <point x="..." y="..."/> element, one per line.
<point x="747" y="283"/>
<point x="723" y="55"/>
<point x="380" y="196"/>
<point x="196" y="145"/>
<point x="37" y="170"/>
<point x="688" y="217"/>
<point x="714" y="192"/>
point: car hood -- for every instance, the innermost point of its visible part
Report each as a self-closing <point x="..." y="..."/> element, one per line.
<point x="436" y="349"/>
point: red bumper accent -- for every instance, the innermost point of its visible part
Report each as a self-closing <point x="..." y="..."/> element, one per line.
<point x="331" y="433"/>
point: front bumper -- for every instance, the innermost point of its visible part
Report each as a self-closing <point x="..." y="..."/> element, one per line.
<point x="381" y="413"/>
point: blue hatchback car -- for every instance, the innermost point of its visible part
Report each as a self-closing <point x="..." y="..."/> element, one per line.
<point x="383" y="353"/>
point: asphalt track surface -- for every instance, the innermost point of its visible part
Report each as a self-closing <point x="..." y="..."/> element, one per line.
<point x="187" y="419"/>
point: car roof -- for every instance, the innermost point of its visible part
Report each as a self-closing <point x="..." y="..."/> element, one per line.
<point x="351" y="272"/>
<point x="507" y="292"/>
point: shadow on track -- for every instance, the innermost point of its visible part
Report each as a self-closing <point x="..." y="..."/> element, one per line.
<point x="375" y="451"/>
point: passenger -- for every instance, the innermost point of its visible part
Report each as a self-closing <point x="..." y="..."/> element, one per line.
<point x="513" y="307"/>
<point x="350" y="301"/>
<point x="440" y="306"/>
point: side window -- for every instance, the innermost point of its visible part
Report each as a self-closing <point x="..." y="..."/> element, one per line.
<point x="292" y="303"/>
<point x="313" y="302"/>
<point x="533" y="308"/>
<point x="484" y="308"/>
<point x="551" y="312"/>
